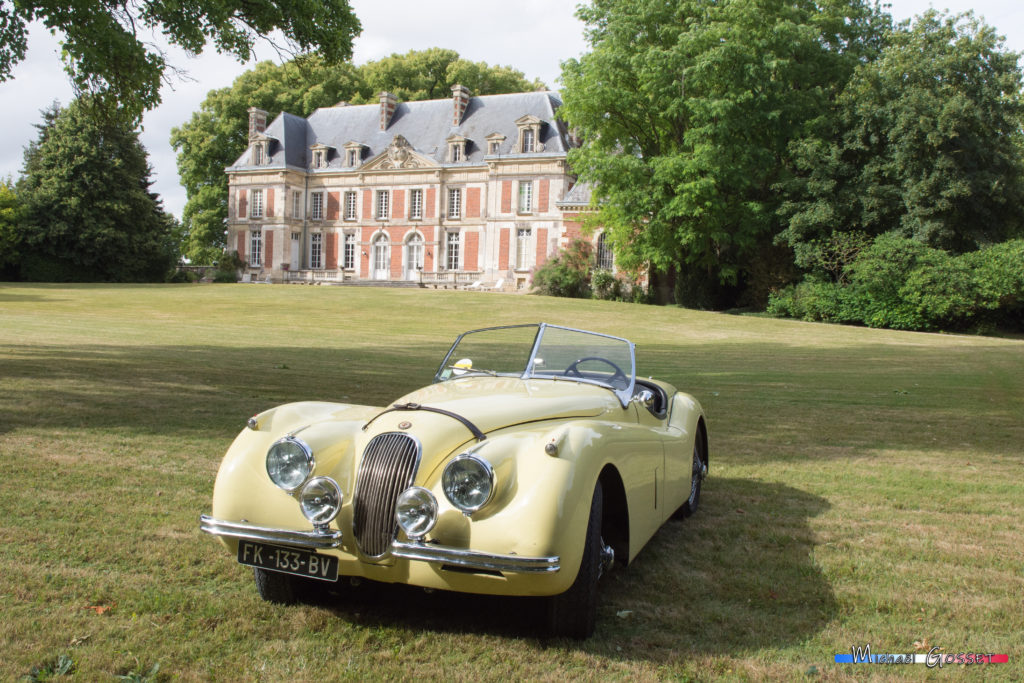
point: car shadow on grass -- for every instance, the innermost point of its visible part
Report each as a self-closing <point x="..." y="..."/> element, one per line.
<point x="738" y="576"/>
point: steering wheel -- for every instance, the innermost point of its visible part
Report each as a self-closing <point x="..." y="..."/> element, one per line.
<point x="574" y="370"/>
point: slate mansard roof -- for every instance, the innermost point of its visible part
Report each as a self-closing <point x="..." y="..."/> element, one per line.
<point x="426" y="125"/>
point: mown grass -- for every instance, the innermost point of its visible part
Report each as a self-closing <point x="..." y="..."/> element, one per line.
<point x="866" y="488"/>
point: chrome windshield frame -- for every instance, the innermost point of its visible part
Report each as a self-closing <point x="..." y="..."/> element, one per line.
<point x="624" y="395"/>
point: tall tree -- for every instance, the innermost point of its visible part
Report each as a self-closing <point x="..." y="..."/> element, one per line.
<point x="430" y="74"/>
<point x="89" y="214"/>
<point x="218" y="133"/>
<point x="926" y="140"/>
<point x="12" y="218"/>
<point x="686" y="109"/>
<point x="107" y="53"/>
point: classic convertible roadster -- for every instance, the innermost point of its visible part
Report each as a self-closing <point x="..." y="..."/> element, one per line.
<point x="535" y="461"/>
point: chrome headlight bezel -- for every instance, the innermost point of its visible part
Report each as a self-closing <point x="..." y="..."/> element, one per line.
<point x="424" y="498"/>
<point x="332" y="488"/>
<point x="449" y="484"/>
<point x="307" y="464"/>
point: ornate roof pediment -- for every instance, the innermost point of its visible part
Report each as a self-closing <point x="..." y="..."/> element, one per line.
<point x="399" y="155"/>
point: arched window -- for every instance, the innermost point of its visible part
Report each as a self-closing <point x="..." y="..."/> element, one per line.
<point x="381" y="257"/>
<point x="413" y="256"/>
<point x="605" y="257"/>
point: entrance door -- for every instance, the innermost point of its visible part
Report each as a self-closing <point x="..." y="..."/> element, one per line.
<point x="381" y="258"/>
<point x="413" y="256"/>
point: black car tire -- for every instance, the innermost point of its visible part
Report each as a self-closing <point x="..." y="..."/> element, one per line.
<point x="573" y="614"/>
<point x="281" y="589"/>
<point x="697" y="473"/>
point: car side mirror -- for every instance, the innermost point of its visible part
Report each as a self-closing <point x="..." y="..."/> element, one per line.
<point x="645" y="396"/>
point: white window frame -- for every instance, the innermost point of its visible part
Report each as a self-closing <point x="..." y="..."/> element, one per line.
<point x="523" y="240"/>
<point x="493" y="147"/>
<point x="453" y="251"/>
<point x="316" y="251"/>
<point x="351" y="157"/>
<point x="525" y="202"/>
<point x="256" y="204"/>
<point x="348" y="251"/>
<point x="529" y="140"/>
<point x="455" y="203"/>
<point x="256" y="247"/>
<point x="382" y="205"/>
<point x="296" y="204"/>
<point x="316" y="205"/>
<point x="259" y="154"/>
<point x="416" y="204"/>
<point x="350" y="205"/>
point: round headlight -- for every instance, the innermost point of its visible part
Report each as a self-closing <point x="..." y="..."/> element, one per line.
<point x="289" y="463"/>
<point x="416" y="512"/>
<point x="320" y="500"/>
<point x="468" y="482"/>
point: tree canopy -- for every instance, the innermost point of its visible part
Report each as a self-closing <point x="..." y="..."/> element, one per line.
<point x="218" y="133"/>
<point x="926" y="140"/>
<point x="107" y="53"/>
<point x="732" y="141"/>
<point x="84" y="210"/>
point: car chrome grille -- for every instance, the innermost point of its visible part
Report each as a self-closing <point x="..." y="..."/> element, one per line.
<point x="388" y="467"/>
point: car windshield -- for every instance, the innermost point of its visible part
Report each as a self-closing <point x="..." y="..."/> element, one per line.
<point x="543" y="351"/>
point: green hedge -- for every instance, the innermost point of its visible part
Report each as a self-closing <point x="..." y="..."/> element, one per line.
<point x="902" y="284"/>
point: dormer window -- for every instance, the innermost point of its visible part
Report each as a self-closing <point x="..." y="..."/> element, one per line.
<point x="320" y="157"/>
<point x="259" y="153"/>
<point x="529" y="135"/>
<point x="494" y="143"/>
<point x="456" y="149"/>
<point x="353" y="154"/>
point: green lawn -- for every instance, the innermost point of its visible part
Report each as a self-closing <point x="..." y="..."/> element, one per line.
<point x="867" y="487"/>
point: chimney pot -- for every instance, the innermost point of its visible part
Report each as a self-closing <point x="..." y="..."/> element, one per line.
<point x="388" y="103"/>
<point x="257" y="122"/>
<point x="460" y="98"/>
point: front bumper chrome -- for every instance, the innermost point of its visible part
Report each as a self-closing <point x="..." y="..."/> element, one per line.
<point x="471" y="559"/>
<point x="426" y="552"/>
<point x="317" y="540"/>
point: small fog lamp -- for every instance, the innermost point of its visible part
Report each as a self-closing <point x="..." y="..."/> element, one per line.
<point x="416" y="512"/>
<point x="320" y="500"/>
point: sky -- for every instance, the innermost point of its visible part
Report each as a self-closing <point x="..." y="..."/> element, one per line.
<point x="533" y="36"/>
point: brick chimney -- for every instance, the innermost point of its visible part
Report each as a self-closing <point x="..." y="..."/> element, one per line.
<point x="460" y="97"/>
<point x="257" y="122"/>
<point x="388" y="102"/>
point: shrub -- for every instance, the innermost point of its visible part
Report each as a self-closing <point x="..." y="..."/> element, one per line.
<point x="568" y="274"/>
<point x="814" y="300"/>
<point x="228" y="266"/>
<point x="608" y="287"/>
<point x="902" y="284"/>
<point x="182" y="277"/>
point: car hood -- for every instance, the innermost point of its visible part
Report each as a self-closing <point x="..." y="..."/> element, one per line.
<point x="495" y="402"/>
<point x="490" y="403"/>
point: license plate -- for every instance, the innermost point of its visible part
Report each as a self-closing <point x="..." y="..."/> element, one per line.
<point x="288" y="560"/>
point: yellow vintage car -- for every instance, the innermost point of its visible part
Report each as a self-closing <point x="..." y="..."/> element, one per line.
<point x="534" y="462"/>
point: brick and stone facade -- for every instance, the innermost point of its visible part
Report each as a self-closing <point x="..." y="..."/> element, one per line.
<point x="460" y="191"/>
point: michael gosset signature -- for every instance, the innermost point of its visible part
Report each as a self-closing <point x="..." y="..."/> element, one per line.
<point x="934" y="658"/>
